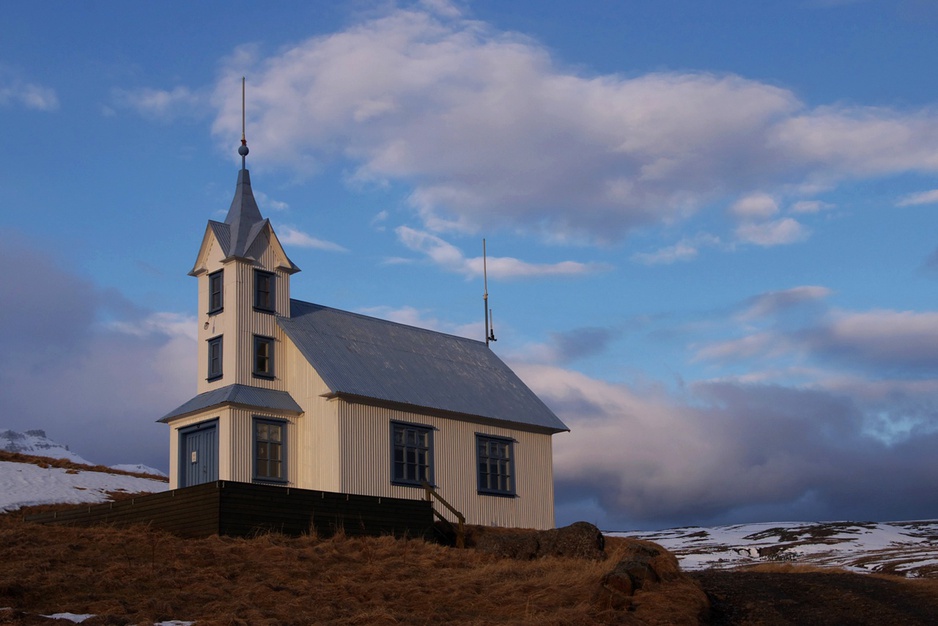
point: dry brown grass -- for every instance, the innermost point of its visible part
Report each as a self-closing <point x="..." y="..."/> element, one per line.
<point x="139" y="575"/>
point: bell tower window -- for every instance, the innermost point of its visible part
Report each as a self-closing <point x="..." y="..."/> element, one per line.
<point x="216" y="296"/>
<point x="214" y="358"/>
<point x="264" y="291"/>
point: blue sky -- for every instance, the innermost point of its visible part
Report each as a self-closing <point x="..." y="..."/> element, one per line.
<point x="710" y="225"/>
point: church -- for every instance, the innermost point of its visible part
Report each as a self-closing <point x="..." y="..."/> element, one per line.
<point x="300" y="395"/>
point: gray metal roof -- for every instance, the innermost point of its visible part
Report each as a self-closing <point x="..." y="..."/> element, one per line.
<point x="255" y="397"/>
<point x="366" y="357"/>
<point x="243" y="215"/>
<point x="243" y="224"/>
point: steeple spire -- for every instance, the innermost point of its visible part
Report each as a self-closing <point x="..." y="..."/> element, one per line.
<point x="244" y="218"/>
<point x="243" y="150"/>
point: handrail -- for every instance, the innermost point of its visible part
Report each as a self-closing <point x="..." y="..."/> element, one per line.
<point x="460" y="518"/>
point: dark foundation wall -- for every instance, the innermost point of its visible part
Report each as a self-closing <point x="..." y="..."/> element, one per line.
<point x="245" y="509"/>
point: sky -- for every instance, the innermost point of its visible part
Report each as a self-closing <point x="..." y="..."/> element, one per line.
<point x="710" y="226"/>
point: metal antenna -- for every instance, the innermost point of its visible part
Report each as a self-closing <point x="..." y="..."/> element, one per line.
<point x="243" y="150"/>
<point x="489" y="330"/>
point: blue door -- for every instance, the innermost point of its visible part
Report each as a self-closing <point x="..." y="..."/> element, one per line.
<point x="199" y="454"/>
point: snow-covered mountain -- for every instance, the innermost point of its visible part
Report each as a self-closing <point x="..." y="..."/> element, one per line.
<point x="905" y="548"/>
<point x="36" y="443"/>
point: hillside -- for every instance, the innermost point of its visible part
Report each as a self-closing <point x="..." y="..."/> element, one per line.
<point x="907" y="549"/>
<point x="119" y="576"/>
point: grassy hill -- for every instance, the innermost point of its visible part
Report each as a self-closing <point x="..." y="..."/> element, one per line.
<point x="140" y="575"/>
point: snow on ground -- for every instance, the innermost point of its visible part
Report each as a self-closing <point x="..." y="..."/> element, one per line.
<point x="25" y="484"/>
<point x="78" y="618"/>
<point x="905" y="548"/>
<point x="139" y="469"/>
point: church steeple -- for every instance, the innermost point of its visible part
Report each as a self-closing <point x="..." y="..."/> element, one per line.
<point x="244" y="218"/>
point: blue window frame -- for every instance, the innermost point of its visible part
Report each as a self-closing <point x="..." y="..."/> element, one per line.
<point x="411" y="454"/>
<point x="495" y="460"/>
<point x="264" y="299"/>
<point x="270" y="437"/>
<point x="216" y="294"/>
<point x="214" y="357"/>
<point x="263" y="356"/>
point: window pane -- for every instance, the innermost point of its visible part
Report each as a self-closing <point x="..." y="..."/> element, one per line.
<point x="494" y="465"/>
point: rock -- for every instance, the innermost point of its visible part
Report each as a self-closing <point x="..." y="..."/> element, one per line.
<point x="509" y="545"/>
<point x="645" y="564"/>
<point x="580" y="540"/>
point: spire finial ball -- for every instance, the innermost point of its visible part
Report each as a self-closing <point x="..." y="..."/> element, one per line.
<point x="243" y="150"/>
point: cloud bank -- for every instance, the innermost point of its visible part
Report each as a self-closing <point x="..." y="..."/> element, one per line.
<point x="491" y="132"/>
<point x="86" y="365"/>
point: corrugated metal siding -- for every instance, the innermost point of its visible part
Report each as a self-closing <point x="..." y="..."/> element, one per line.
<point x="214" y="325"/>
<point x="366" y="447"/>
<point x="317" y="428"/>
<point x="242" y="445"/>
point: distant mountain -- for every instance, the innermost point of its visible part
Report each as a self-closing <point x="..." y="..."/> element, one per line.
<point x="36" y="443"/>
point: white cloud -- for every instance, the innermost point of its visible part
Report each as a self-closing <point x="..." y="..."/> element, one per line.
<point x="412" y="316"/>
<point x="684" y="250"/>
<point x="758" y="345"/>
<point x="451" y="258"/>
<point x="165" y="323"/>
<point x="290" y="236"/>
<point x="161" y="103"/>
<point x="648" y="457"/>
<point x="924" y="197"/>
<point x="772" y="302"/>
<point x="491" y="133"/>
<point x="755" y="206"/>
<point x="774" y="233"/>
<point x="269" y="204"/>
<point x="29" y="95"/>
<point x="810" y="206"/>
<point x="880" y="338"/>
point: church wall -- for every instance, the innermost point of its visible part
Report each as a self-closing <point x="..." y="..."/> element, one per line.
<point x="365" y="441"/>
<point x="317" y="429"/>
<point x="241" y="445"/>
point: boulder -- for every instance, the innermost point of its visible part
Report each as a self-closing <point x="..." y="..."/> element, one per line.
<point x="644" y="564"/>
<point x="580" y="540"/>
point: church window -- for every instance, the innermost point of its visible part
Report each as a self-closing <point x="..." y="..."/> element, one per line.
<point x="411" y="454"/>
<point x="264" y="291"/>
<point x="269" y="440"/>
<point x="263" y="356"/>
<point x="214" y="358"/>
<point x="216" y="300"/>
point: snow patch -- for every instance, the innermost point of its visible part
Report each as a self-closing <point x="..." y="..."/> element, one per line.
<point x="25" y="484"/>
<point x="904" y="548"/>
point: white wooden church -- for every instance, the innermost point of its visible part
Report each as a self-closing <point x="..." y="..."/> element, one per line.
<point x="301" y="395"/>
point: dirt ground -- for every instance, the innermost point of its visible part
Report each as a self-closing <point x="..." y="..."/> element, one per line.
<point x="814" y="598"/>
